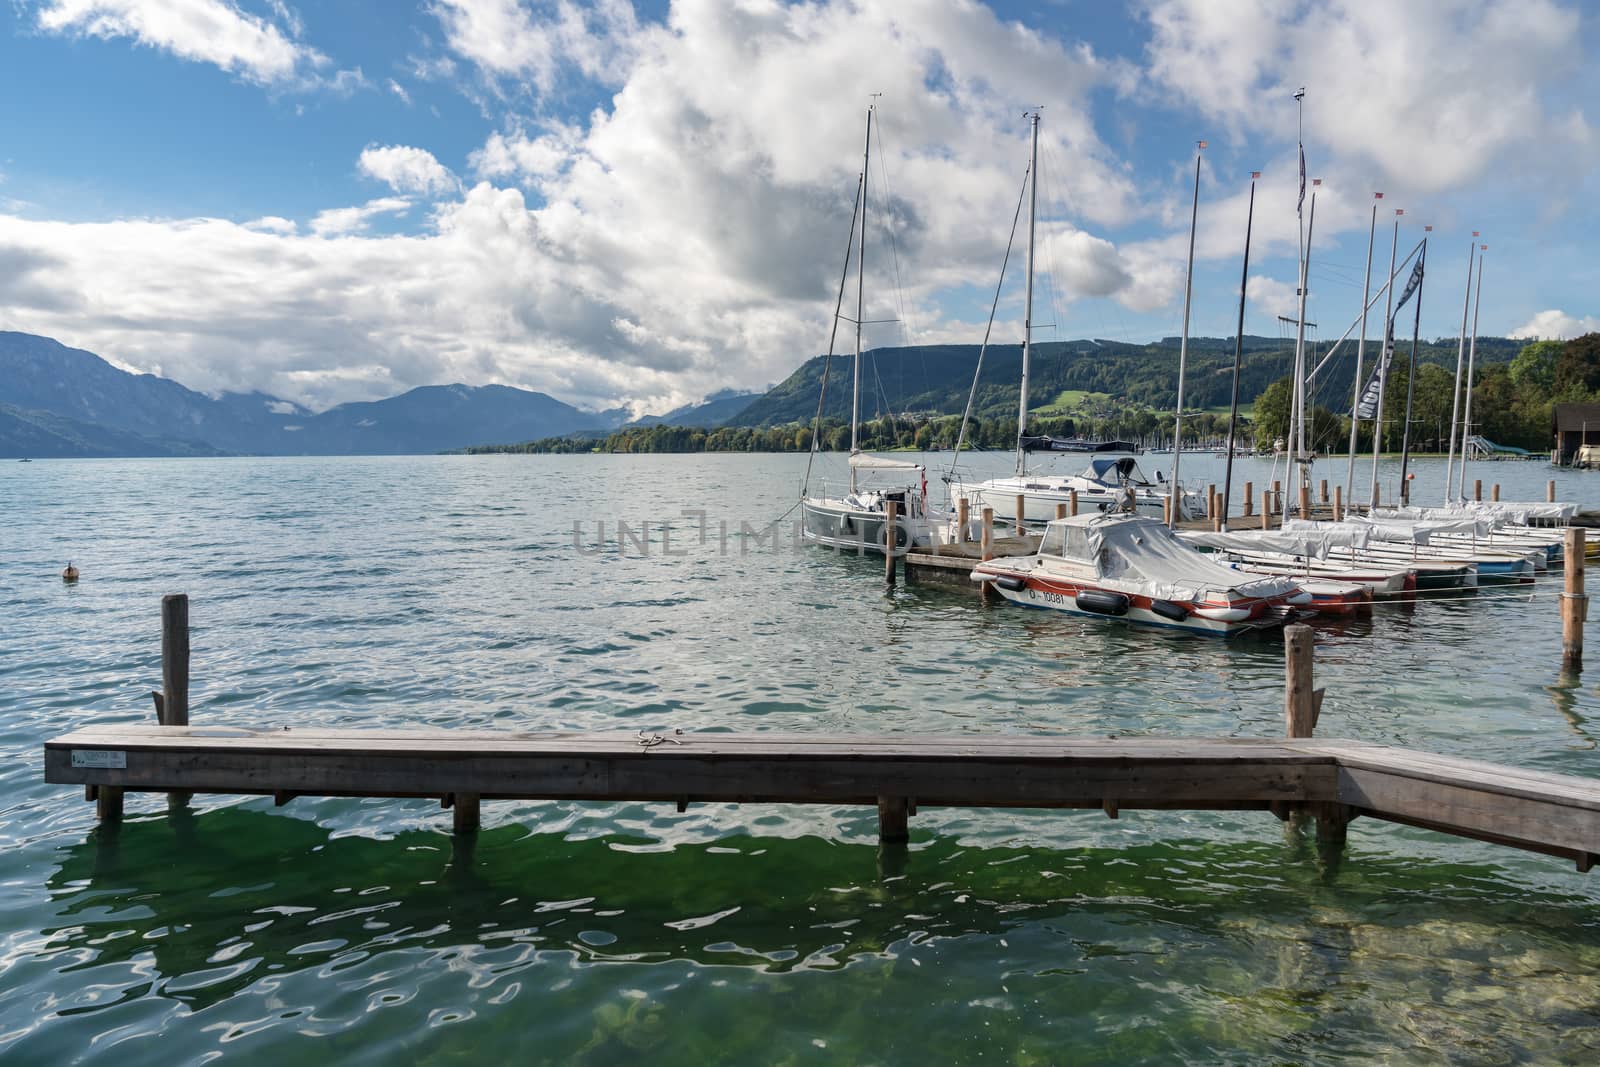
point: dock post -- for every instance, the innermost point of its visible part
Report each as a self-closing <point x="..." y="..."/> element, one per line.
<point x="1477" y="488"/>
<point x="174" y="707"/>
<point x="963" y="516"/>
<point x="891" y="538"/>
<point x="1061" y="511"/>
<point x="1322" y="492"/>
<point x="1217" y="514"/>
<point x="1305" y="500"/>
<point x="1494" y="492"/>
<point x="1550" y="491"/>
<point x="1299" y="702"/>
<point x="1072" y="501"/>
<point x="1166" y="510"/>
<point x="1211" y="500"/>
<point x="1022" y="511"/>
<point x="108" y="804"/>
<point x="1338" y="503"/>
<point x="987" y="543"/>
<point x="1574" y="603"/>
<point x="1249" y="503"/>
<point x="892" y="812"/>
<point x="465" y="813"/>
<point x="1266" y="509"/>
<point x="1277" y="494"/>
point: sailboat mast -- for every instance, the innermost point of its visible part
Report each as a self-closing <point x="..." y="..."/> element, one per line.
<point x="1183" y="344"/>
<point x="1296" y="391"/>
<point x="1455" y="394"/>
<point x="1238" y="356"/>
<point x="1027" y="306"/>
<point x="861" y="276"/>
<point x="1411" y="372"/>
<point x="1472" y="353"/>
<point x="1361" y="352"/>
<point x="1302" y="457"/>
<point x="1383" y="367"/>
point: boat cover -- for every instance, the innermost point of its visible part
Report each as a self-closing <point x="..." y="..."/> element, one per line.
<point x="1412" y="531"/>
<point x="1044" y="443"/>
<point x="1139" y="554"/>
<point x="866" y="461"/>
<point x="1513" y="512"/>
<point x="1310" y="539"/>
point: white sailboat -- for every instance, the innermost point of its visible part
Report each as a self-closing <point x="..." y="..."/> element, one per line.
<point x="1112" y="476"/>
<point x="856" y="519"/>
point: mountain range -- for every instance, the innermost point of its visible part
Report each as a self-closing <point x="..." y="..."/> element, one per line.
<point x="57" y="401"/>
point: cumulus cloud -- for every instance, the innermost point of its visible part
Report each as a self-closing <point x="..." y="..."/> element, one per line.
<point x="203" y="31"/>
<point x="1556" y="325"/>
<point x="506" y="39"/>
<point x="407" y="170"/>
<point x="343" y="220"/>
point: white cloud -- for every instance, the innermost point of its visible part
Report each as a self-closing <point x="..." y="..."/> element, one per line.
<point x="344" y="220"/>
<point x="408" y="170"/>
<point x="399" y="90"/>
<point x="272" y="224"/>
<point x="204" y="31"/>
<point x="506" y="39"/>
<point x="1555" y="325"/>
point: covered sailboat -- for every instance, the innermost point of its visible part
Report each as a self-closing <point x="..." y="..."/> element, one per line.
<point x="1131" y="567"/>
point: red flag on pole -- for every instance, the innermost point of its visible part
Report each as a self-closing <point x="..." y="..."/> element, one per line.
<point x="1399" y="211"/>
<point x="1255" y="174"/>
<point x="1474" y="233"/>
<point x="1377" y="196"/>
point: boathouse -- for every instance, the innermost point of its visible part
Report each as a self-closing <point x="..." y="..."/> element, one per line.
<point x="1576" y="425"/>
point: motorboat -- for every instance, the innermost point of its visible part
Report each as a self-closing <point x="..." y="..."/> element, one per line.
<point x="1104" y="485"/>
<point x="1127" y="566"/>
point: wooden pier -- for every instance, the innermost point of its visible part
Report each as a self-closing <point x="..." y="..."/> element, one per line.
<point x="1297" y="777"/>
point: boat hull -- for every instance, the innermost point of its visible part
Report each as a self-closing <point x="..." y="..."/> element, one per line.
<point x="842" y="528"/>
<point x="1054" y="595"/>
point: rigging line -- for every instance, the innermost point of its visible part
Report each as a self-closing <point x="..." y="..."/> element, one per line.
<point x="894" y="246"/>
<point x="833" y="334"/>
<point x="966" y="416"/>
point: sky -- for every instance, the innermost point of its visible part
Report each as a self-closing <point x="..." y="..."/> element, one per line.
<point x="640" y="204"/>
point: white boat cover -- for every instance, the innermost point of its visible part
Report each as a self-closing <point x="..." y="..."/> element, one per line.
<point x="1413" y="531"/>
<point x="1310" y="539"/>
<point x="1139" y="554"/>
<point x="866" y="461"/>
<point x="1514" y="512"/>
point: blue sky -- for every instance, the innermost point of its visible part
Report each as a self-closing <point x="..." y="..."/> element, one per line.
<point x="643" y="203"/>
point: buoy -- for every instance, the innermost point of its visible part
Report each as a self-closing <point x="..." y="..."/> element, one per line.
<point x="70" y="574"/>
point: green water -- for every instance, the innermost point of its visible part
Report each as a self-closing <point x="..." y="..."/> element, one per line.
<point x="449" y="591"/>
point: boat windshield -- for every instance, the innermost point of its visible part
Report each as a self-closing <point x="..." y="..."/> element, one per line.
<point x="1115" y="471"/>
<point x="1068" y="542"/>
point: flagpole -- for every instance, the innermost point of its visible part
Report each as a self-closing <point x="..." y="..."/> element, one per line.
<point x="1472" y="352"/>
<point x="1302" y="455"/>
<point x="1383" y="367"/>
<point x="1297" y="390"/>
<point x="1183" y="346"/>
<point x="1361" y="351"/>
<point x="1455" y="394"/>
<point x="1411" y="372"/>
<point x="1238" y="355"/>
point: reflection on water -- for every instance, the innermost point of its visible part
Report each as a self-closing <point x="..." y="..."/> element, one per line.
<point x="446" y="591"/>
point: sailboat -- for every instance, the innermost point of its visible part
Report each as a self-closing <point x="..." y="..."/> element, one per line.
<point x="857" y="520"/>
<point x="1111" y="479"/>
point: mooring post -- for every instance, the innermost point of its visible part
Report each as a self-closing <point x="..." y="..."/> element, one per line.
<point x="1338" y="503"/>
<point x="1061" y="511"/>
<point x="173" y="709"/>
<point x="1305" y="500"/>
<point x="987" y="543"/>
<point x="1166" y="510"/>
<point x="1322" y="492"/>
<point x="1550" y="491"/>
<point x="1494" y="492"/>
<point x="1072" y="501"/>
<point x="1022" y="512"/>
<point x="1266" y="509"/>
<point x="1249" y="504"/>
<point x="108" y="804"/>
<point x="1299" y="702"/>
<point x="963" y="516"/>
<point x="892" y="814"/>
<point x="1574" y="602"/>
<point x="1277" y="494"/>
<point x="1477" y="489"/>
<point x="465" y="813"/>
<point x="1211" y="500"/>
<point x="891" y="538"/>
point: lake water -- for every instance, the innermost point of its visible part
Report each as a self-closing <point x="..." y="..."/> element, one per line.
<point x="452" y="591"/>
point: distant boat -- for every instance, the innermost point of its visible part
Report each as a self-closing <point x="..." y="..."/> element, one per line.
<point x="24" y="460"/>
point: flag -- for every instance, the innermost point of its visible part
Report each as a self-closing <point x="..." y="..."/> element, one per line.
<point x="1377" y="196"/>
<point x="1256" y="174"/>
<point x="1474" y="233"/>
<point x="1367" y="407"/>
<point x="1202" y="144"/>
<point x="1399" y="211"/>
<point x="1298" y="204"/>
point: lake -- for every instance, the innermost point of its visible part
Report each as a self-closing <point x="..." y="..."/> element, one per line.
<point x="484" y="591"/>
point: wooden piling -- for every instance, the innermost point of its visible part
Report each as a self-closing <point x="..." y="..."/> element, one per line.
<point x="1022" y="513"/>
<point x="1211" y="500"/>
<point x="963" y="517"/>
<point x="1299" y="702"/>
<point x="1166" y="510"/>
<point x="1550" y="491"/>
<point x="1277" y="494"/>
<point x="1477" y="488"/>
<point x="891" y="531"/>
<point x="465" y="813"/>
<point x="1249" y="503"/>
<point x="892" y="813"/>
<point x="1338" y="503"/>
<point x="1072" y="501"/>
<point x="1305" y="500"/>
<point x="1266" y="509"/>
<point x="1574" y="602"/>
<point x="108" y="804"/>
<point x="1494" y="492"/>
<point x="174" y="707"/>
<point x="1061" y="511"/>
<point x="1217" y="510"/>
<point x="986" y="544"/>
<point x="1322" y="493"/>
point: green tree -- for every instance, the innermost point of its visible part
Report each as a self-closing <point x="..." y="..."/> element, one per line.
<point x="1534" y="368"/>
<point x="1272" y="411"/>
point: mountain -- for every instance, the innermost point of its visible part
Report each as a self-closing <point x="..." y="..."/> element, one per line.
<point x="65" y="401"/>
<point x="718" y="409"/>
<point x="936" y="379"/>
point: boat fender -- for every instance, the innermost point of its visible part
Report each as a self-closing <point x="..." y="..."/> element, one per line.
<point x="1011" y="582"/>
<point x="1102" y="602"/>
<point x="1168" y="610"/>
